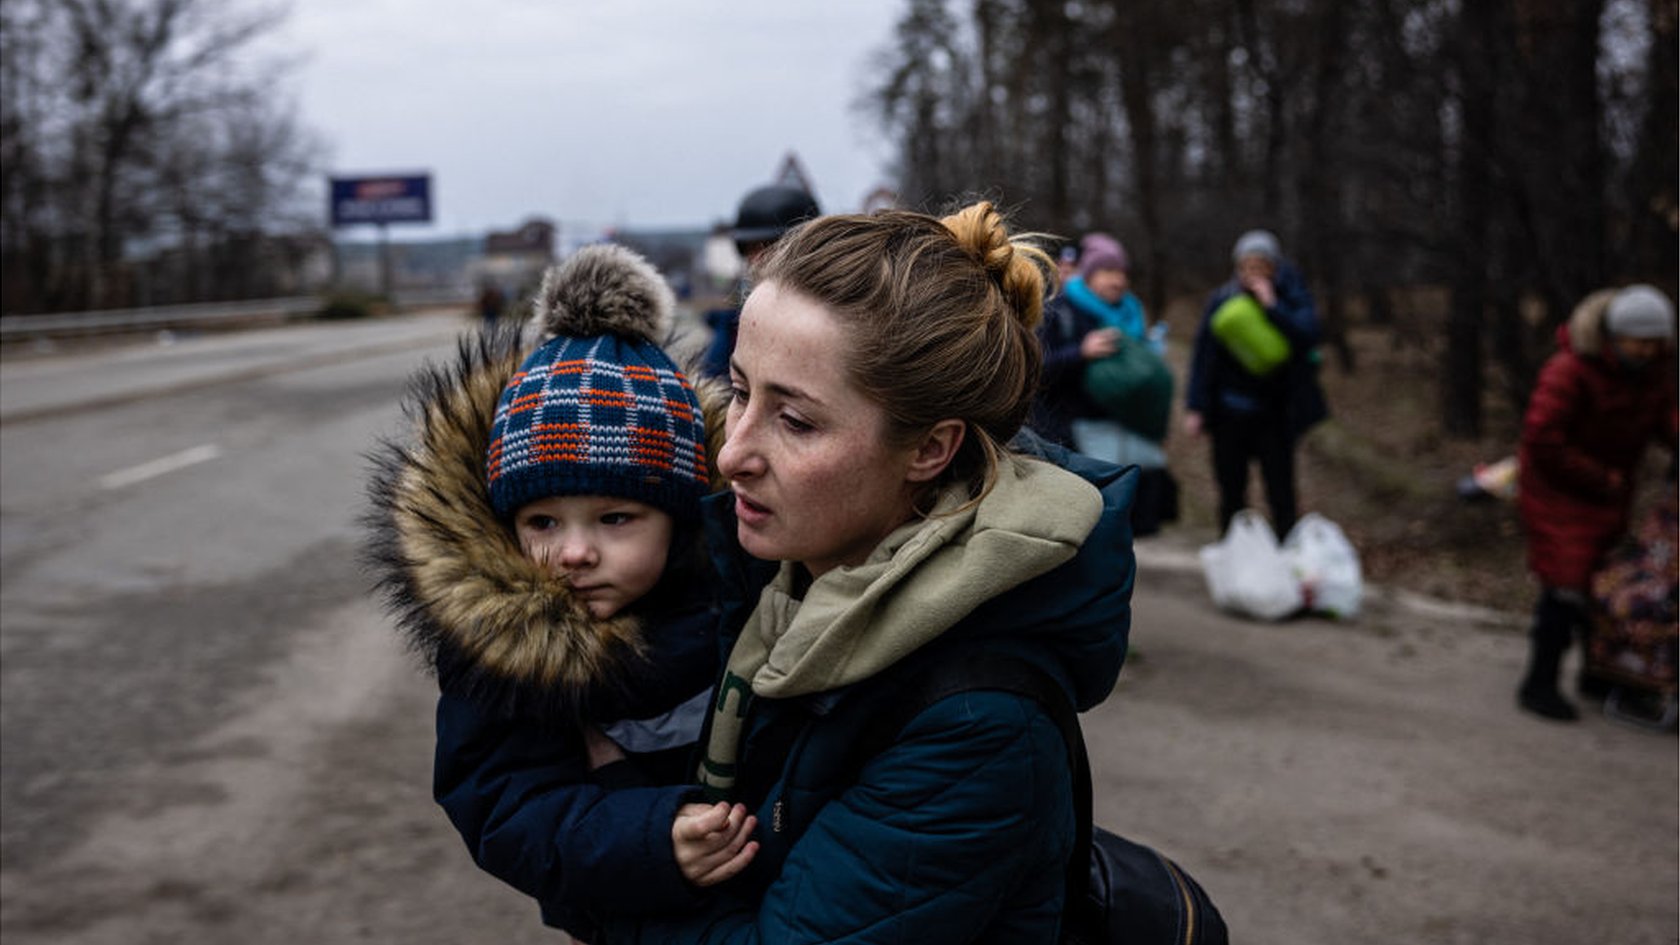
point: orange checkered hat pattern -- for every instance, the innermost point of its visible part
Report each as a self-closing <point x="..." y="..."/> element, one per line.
<point x="599" y="415"/>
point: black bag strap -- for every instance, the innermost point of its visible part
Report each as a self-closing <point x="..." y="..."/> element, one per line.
<point x="981" y="670"/>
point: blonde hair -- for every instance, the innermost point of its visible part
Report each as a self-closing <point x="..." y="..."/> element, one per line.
<point x="939" y="315"/>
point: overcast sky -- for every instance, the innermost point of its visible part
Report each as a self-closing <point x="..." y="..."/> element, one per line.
<point x="607" y="112"/>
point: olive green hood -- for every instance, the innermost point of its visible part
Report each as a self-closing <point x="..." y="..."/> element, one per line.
<point x="854" y="622"/>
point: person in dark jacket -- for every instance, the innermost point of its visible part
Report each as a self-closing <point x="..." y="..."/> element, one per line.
<point x="1095" y="316"/>
<point x="765" y="214"/>
<point x="491" y="301"/>
<point x="1606" y="393"/>
<point x="1257" y="418"/>
<point x="884" y="361"/>
<point x="539" y="545"/>
<point x="1086" y="321"/>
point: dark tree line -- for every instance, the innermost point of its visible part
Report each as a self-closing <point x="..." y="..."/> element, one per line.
<point x="146" y="157"/>
<point x="1516" y="153"/>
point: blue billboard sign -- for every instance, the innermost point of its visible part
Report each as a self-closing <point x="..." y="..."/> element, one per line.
<point x="403" y="198"/>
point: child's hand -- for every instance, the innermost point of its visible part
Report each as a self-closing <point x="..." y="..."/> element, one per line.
<point x="602" y="750"/>
<point x="711" y="841"/>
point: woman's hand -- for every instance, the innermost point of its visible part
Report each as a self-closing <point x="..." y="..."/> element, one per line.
<point x="1261" y="288"/>
<point x="711" y="841"/>
<point x="1099" y="344"/>
<point x="1192" y="424"/>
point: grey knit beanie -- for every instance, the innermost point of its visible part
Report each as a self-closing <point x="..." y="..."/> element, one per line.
<point x="1640" y="311"/>
<point x="1257" y="243"/>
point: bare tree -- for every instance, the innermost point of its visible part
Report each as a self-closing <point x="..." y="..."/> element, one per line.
<point x="1461" y="396"/>
<point x="1653" y="206"/>
<point x="137" y="124"/>
<point x="1517" y="152"/>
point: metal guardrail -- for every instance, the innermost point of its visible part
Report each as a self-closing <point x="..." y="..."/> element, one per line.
<point x="424" y="298"/>
<point x="163" y="316"/>
<point x="63" y="324"/>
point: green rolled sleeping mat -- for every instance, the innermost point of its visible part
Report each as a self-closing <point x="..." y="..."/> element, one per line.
<point x="1243" y="328"/>
<point x="1134" y="387"/>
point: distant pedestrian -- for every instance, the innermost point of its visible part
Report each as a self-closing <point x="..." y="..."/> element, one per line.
<point x="765" y="214"/>
<point x="1067" y="263"/>
<point x="1071" y="336"/>
<point x="1254" y="377"/>
<point x="1117" y="411"/>
<point x="490" y="303"/>
<point x="1606" y="393"/>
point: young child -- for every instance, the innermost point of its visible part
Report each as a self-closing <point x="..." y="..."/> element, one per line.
<point x="539" y="546"/>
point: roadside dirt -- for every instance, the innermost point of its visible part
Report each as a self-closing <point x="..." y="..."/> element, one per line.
<point x="1372" y="781"/>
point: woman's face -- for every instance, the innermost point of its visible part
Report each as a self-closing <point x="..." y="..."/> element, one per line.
<point x="1255" y="266"/>
<point x="1108" y="284"/>
<point x="1638" y="352"/>
<point x="816" y="480"/>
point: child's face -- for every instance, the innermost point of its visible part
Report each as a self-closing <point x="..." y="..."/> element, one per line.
<point x="611" y="550"/>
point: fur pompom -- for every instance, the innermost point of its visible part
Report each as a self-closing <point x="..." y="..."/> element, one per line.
<point x="605" y="289"/>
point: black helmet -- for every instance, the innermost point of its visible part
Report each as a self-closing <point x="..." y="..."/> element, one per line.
<point x="768" y="212"/>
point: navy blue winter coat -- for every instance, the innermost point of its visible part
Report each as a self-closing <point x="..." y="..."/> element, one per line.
<point x="1223" y="391"/>
<point x="521" y="666"/>
<point x="726" y="326"/>
<point x="520" y="793"/>
<point x="960" y="830"/>
<point x="1061" y="390"/>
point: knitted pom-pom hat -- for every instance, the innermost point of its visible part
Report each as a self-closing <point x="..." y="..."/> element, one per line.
<point x="1640" y="311"/>
<point x="1263" y="243"/>
<point x="598" y="408"/>
<point x="1104" y="257"/>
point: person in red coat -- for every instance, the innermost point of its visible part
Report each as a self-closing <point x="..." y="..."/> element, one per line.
<point x="1604" y="395"/>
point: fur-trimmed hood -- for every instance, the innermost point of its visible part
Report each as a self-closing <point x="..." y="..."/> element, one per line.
<point x="1584" y="331"/>
<point x="489" y="621"/>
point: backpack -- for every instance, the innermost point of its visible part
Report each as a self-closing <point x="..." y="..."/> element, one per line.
<point x="1119" y="892"/>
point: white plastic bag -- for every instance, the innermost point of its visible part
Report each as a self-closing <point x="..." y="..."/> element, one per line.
<point x="1326" y="564"/>
<point x="1247" y="572"/>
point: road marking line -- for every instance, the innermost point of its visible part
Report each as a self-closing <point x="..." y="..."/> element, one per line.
<point x="158" y="467"/>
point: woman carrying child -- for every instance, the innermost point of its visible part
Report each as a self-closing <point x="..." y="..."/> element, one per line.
<point x="883" y="521"/>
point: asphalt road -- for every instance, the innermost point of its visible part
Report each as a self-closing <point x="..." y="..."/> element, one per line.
<point x="208" y="732"/>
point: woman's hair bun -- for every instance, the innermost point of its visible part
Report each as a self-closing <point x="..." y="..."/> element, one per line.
<point x="1017" y="266"/>
<point x="605" y="289"/>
